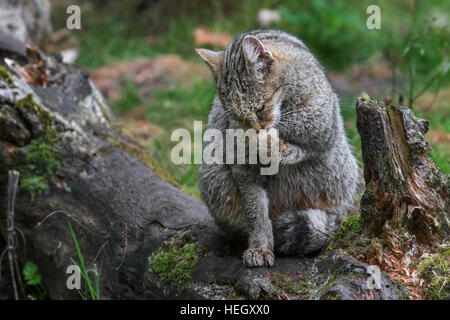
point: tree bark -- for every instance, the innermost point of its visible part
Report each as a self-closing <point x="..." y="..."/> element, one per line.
<point x="123" y="209"/>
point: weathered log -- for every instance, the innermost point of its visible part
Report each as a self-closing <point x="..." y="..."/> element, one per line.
<point x="124" y="209"/>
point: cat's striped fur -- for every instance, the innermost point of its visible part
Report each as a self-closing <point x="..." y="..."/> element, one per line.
<point x="264" y="79"/>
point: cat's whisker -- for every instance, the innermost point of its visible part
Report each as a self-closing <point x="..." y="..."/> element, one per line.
<point x="290" y="112"/>
<point x="292" y="122"/>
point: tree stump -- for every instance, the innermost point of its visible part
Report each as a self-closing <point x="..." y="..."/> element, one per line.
<point x="405" y="190"/>
<point x="405" y="206"/>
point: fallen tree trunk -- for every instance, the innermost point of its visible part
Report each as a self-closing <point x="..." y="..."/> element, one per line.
<point x="78" y="166"/>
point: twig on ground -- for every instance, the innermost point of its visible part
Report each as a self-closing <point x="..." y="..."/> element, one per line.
<point x="13" y="180"/>
<point x="74" y="219"/>
<point x="98" y="253"/>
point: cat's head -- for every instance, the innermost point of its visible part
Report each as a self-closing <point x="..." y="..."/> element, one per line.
<point x="246" y="81"/>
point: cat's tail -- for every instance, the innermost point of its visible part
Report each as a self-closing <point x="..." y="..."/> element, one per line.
<point x="304" y="231"/>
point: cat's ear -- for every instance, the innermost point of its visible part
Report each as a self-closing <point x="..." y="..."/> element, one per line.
<point x="213" y="58"/>
<point x="258" y="58"/>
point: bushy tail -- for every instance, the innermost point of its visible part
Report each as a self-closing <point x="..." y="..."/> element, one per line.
<point x="304" y="231"/>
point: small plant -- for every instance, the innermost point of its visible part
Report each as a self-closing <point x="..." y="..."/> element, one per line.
<point x="33" y="281"/>
<point x="30" y="274"/>
<point x="40" y="167"/>
<point x="94" y="287"/>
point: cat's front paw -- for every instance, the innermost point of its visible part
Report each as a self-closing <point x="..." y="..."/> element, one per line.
<point x="258" y="257"/>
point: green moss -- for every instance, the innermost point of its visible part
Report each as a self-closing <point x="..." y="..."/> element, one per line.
<point x="105" y="113"/>
<point x="290" y="286"/>
<point x="402" y="289"/>
<point x="38" y="161"/>
<point x="39" y="165"/>
<point x="5" y="75"/>
<point x="331" y="281"/>
<point x="331" y="296"/>
<point x="28" y="103"/>
<point x="348" y="227"/>
<point x="368" y="100"/>
<point x="435" y="270"/>
<point x="174" y="263"/>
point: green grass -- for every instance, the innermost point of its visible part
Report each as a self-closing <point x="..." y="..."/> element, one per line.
<point x="129" y="98"/>
<point x="178" y="106"/>
<point x="439" y="120"/>
<point x="334" y="30"/>
<point x="441" y="157"/>
<point x="93" y="286"/>
<point x="175" y="106"/>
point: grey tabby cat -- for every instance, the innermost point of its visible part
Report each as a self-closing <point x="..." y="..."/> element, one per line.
<point x="266" y="79"/>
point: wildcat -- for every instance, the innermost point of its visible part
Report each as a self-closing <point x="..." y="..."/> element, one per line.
<point x="269" y="79"/>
